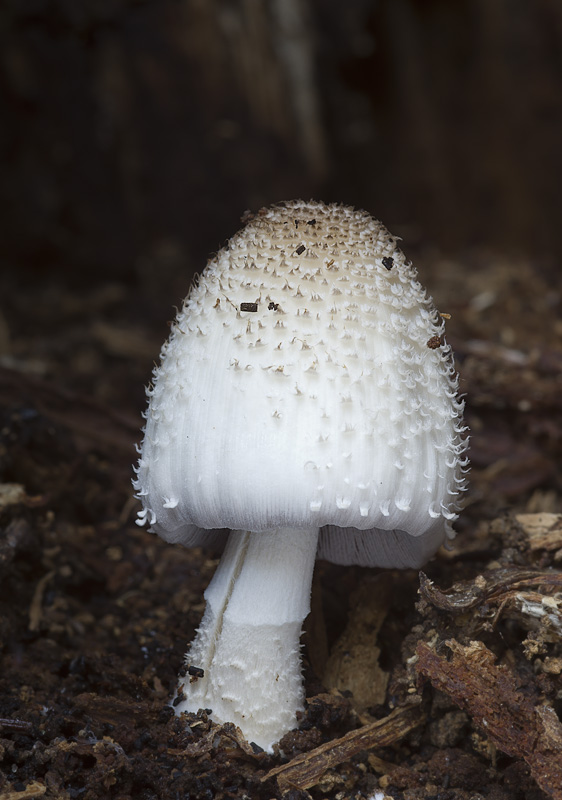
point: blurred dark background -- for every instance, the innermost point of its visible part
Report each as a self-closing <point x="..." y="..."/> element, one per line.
<point x="135" y="133"/>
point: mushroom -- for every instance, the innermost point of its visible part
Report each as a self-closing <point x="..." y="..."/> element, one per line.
<point x="307" y="401"/>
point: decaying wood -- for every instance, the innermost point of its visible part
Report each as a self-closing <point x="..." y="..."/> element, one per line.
<point x="511" y="718"/>
<point x="533" y="597"/>
<point x="114" y="711"/>
<point x="32" y="790"/>
<point x="353" y="665"/>
<point x="491" y="587"/>
<point x="306" y="770"/>
<point x="227" y="737"/>
<point x="543" y="530"/>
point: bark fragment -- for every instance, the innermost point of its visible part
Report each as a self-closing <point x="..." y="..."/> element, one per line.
<point x="491" y="693"/>
<point x="306" y="770"/>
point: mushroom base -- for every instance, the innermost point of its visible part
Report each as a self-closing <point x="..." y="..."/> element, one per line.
<point x="248" y="641"/>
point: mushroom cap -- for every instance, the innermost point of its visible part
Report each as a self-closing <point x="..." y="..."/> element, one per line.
<point x="306" y="384"/>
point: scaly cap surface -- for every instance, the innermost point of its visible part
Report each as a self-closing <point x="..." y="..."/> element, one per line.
<point x="306" y="384"/>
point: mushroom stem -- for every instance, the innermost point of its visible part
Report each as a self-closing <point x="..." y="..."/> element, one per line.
<point x="248" y="641"/>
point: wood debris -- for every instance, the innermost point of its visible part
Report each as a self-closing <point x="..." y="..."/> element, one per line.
<point x="36" y="607"/>
<point x="543" y="530"/>
<point x="513" y="719"/>
<point x="32" y="790"/>
<point x="353" y="665"/>
<point x="494" y="587"/>
<point x="306" y="770"/>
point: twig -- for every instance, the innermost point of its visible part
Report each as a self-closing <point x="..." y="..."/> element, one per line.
<point x="19" y="725"/>
<point x="306" y="770"/>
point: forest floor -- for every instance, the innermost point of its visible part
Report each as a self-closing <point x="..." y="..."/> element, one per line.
<point x="463" y="696"/>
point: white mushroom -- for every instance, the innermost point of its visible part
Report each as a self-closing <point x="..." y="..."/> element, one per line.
<point x="306" y="401"/>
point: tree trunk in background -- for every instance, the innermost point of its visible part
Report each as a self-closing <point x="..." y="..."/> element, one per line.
<point x="134" y="134"/>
